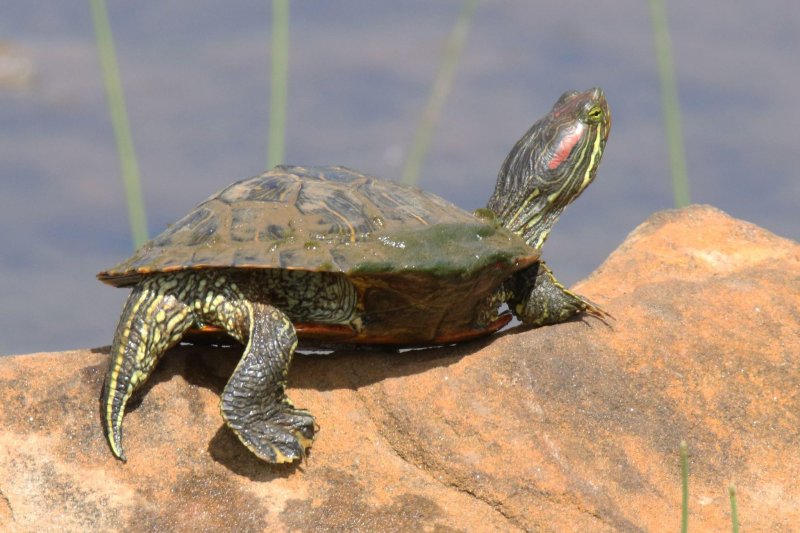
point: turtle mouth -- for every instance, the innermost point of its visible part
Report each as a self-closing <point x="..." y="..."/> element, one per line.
<point x="600" y="97"/>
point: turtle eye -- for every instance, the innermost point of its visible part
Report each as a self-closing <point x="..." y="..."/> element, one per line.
<point x="595" y="113"/>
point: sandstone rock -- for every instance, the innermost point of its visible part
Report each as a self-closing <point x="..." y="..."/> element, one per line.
<point x="572" y="427"/>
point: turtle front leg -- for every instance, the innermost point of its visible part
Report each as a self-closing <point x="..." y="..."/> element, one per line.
<point x="540" y="299"/>
<point x="154" y="318"/>
<point x="254" y="402"/>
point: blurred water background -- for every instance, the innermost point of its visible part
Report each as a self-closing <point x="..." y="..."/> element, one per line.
<point x="196" y="80"/>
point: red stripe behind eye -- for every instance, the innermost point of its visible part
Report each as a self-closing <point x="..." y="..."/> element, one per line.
<point x="565" y="146"/>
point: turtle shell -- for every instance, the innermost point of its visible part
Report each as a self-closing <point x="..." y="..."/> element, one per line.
<point x="327" y="219"/>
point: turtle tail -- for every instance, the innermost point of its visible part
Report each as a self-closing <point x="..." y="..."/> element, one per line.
<point x="155" y="317"/>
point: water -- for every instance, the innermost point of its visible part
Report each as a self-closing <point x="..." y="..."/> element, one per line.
<point x="196" y="81"/>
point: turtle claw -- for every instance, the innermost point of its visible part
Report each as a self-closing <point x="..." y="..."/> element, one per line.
<point x="596" y="311"/>
<point x="300" y="424"/>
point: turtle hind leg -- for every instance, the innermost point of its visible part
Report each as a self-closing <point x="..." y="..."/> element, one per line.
<point x="540" y="299"/>
<point x="154" y="318"/>
<point x="254" y="402"/>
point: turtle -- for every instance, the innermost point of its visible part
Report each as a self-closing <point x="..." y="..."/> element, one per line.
<point x="333" y="255"/>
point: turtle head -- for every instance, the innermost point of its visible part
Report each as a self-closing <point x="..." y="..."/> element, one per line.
<point x="551" y="165"/>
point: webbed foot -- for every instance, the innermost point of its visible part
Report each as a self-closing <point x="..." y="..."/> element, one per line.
<point x="540" y="299"/>
<point x="283" y="437"/>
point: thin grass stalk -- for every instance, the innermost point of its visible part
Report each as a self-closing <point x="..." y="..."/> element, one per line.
<point x="119" y="120"/>
<point x="670" y="105"/>
<point x="279" y="83"/>
<point x="441" y="87"/>
<point x="734" y="511"/>
<point x="684" y="487"/>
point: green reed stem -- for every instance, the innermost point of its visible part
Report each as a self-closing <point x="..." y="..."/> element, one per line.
<point x="279" y="82"/>
<point x="119" y="120"/>
<point x="670" y="105"/>
<point x="684" y="487"/>
<point x="734" y="512"/>
<point x="441" y="87"/>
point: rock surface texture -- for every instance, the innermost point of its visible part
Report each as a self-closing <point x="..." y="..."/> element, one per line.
<point x="574" y="427"/>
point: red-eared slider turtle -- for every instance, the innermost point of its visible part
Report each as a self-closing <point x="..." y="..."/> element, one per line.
<point x="334" y="255"/>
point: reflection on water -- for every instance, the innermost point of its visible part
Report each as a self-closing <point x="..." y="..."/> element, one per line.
<point x="196" y="81"/>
